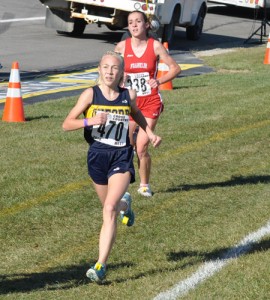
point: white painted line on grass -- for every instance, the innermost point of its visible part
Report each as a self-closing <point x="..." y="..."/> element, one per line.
<point x="22" y="20"/>
<point x="208" y="269"/>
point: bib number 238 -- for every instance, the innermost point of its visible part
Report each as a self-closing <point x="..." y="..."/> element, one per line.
<point x="139" y="82"/>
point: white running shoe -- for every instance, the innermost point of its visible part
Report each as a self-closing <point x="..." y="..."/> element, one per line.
<point x="145" y="191"/>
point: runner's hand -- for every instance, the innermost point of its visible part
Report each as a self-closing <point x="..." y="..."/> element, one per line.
<point x="155" y="140"/>
<point x="100" y="118"/>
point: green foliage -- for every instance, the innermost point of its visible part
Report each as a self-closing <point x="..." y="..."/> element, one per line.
<point x="211" y="183"/>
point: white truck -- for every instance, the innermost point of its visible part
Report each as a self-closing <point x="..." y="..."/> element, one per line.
<point x="71" y="17"/>
<point x="244" y="3"/>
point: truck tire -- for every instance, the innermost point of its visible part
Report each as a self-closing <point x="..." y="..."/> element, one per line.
<point x="169" y="29"/>
<point x="78" y="29"/>
<point x="194" y="32"/>
<point x="113" y="27"/>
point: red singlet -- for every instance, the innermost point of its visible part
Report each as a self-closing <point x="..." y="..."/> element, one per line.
<point x="139" y="71"/>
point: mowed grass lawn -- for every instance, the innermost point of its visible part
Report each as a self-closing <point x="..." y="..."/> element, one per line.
<point x="211" y="179"/>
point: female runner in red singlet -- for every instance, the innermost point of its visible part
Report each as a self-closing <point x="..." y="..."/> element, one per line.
<point x="141" y="55"/>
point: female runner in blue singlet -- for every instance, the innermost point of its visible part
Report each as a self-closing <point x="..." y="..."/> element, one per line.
<point x="106" y="108"/>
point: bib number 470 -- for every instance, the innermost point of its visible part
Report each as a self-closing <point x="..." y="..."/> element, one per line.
<point x="114" y="132"/>
<point x="113" y="125"/>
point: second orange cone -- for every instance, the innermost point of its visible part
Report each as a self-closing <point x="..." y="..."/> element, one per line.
<point x="13" y="110"/>
<point x="267" y="53"/>
<point x="162" y="70"/>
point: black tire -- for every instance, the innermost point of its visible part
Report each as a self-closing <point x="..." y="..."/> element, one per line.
<point x="78" y="29"/>
<point x="193" y="33"/>
<point x="169" y="29"/>
<point x="79" y="26"/>
<point x="113" y="28"/>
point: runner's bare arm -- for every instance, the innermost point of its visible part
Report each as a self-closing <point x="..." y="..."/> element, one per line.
<point x="174" y="68"/>
<point x="72" y="121"/>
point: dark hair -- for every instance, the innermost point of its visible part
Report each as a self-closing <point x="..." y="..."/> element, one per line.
<point x="145" y="18"/>
<point x="142" y="13"/>
<point x="149" y="31"/>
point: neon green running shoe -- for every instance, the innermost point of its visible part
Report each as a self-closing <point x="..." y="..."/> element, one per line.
<point x="128" y="216"/>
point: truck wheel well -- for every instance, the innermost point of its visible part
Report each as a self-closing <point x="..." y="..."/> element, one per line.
<point x="194" y="32"/>
<point x="169" y="29"/>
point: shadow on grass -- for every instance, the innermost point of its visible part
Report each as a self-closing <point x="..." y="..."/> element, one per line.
<point x="234" y="181"/>
<point x="75" y="275"/>
<point x="194" y="257"/>
<point x="185" y="87"/>
<point x="63" y="279"/>
<point x="28" y="119"/>
<point x="224" y="253"/>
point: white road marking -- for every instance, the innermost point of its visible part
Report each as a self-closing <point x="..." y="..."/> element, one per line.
<point x="22" y="20"/>
<point x="208" y="269"/>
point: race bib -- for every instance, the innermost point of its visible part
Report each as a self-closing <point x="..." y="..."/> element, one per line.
<point x="139" y="82"/>
<point x="114" y="132"/>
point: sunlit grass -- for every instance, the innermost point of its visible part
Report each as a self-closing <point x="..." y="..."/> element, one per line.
<point x="211" y="183"/>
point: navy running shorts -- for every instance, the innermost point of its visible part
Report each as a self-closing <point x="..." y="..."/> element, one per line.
<point x="105" y="163"/>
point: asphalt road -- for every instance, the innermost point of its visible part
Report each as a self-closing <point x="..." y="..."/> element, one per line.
<point x="24" y="38"/>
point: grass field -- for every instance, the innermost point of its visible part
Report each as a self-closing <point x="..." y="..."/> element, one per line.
<point x="211" y="179"/>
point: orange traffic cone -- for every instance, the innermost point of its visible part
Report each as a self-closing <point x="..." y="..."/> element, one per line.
<point x="267" y="54"/>
<point x="162" y="70"/>
<point x="13" y="111"/>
